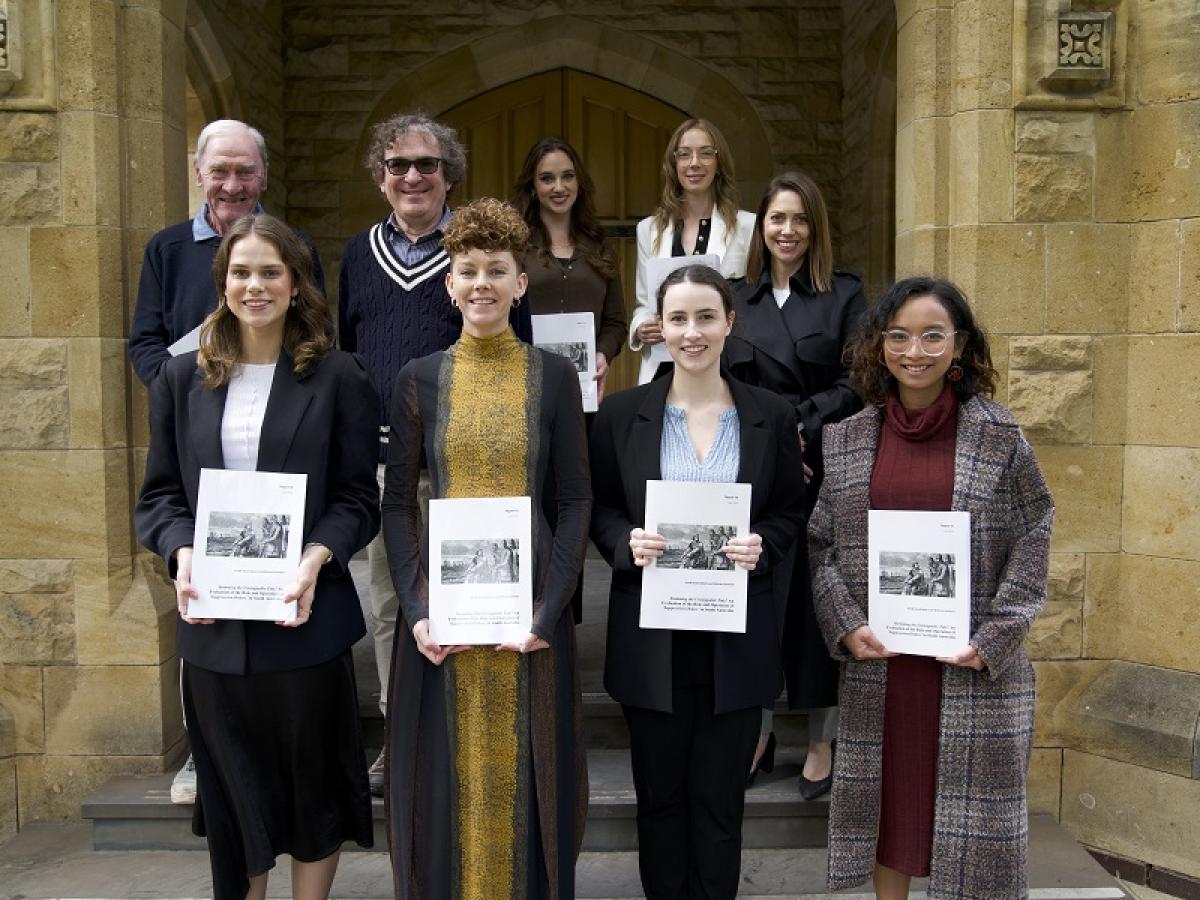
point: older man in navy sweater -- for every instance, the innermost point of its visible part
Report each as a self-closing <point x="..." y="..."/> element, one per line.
<point x="176" y="290"/>
<point x="393" y="305"/>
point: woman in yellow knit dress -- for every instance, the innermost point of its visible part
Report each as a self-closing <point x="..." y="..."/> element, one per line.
<point x="487" y="786"/>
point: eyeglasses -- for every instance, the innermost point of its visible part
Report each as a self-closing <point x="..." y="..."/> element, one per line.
<point x="932" y="343"/>
<point x="399" y="165"/>
<point x="704" y="154"/>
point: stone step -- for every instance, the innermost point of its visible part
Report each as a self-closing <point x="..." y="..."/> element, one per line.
<point x="58" y="861"/>
<point x="136" y="812"/>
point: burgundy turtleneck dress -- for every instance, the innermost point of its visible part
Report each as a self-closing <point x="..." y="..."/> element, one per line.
<point x="914" y="469"/>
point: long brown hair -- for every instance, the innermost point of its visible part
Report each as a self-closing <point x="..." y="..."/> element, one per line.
<point x="306" y="328"/>
<point x="819" y="256"/>
<point x="586" y="231"/>
<point x="724" y="186"/>
<point x="868" y="374"/>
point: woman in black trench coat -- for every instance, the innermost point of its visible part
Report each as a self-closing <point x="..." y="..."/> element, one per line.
<point x="795" y="314"/>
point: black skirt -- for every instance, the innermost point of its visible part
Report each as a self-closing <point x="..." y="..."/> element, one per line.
<point x="280" y="767"/>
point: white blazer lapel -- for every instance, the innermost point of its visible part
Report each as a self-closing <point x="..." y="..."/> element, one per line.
<point x="718" y="238"/>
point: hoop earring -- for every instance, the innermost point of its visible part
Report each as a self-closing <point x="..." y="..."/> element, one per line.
<point x="955" y="372"/>
<point x="516" y="302"/>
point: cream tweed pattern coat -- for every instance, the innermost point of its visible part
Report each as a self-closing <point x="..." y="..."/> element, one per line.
<point x="986" y="730"/>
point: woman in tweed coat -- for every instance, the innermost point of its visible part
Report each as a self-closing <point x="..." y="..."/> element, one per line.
<point x="975" y="828"/>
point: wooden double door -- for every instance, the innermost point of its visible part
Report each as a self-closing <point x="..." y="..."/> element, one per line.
<point x="621" y="135"/>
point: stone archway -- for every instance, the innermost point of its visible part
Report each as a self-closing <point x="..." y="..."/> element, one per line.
<point x="208" y="70"/>
<point x="598" y="49"/>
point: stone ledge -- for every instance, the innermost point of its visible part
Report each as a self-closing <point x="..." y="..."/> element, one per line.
<point x="1127" y="712"/>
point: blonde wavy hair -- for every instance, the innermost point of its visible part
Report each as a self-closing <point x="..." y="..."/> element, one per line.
<point x="724" y="186"/>
<point x="306" y="329"/>
<point x="486" y="224"/>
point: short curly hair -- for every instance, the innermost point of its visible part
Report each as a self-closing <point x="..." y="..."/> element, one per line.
<point x="486" y="224"/>
<point x="390" y="130"/>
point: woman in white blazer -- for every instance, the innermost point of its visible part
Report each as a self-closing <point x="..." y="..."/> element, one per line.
<point x="697" y="215"/>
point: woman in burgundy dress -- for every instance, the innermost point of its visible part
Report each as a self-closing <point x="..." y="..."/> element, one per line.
<point x="932" y="753"/>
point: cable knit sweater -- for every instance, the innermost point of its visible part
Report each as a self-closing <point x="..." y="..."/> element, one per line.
<point x="390" y="313"/>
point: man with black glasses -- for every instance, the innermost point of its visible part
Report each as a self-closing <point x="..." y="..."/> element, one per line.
<point x="393" y="305"/>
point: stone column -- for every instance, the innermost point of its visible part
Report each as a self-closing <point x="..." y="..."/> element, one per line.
<point x="87" y="665"/>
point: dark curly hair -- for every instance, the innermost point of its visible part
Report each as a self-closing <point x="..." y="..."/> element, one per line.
<point x="586" y="230"/>
<point x="390" y="130"/>
<point x="486" y="224"/>
<point x="306" y="329"/>
<point x="869" y="375"/>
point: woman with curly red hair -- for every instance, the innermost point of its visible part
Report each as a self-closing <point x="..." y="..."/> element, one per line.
<point x="487" y="785"/>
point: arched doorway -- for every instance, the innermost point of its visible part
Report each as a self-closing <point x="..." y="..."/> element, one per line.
<point x="620" y="133"/>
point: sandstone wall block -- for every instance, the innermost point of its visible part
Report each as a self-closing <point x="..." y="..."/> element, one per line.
<point x="8" y="798"/>
<point x="33" y="417"/>
<point x="1154" y="276"/>
<point x="35" y="576"/>
<point x="1168" y="67"/>
<point x="1047" y="354"/>
<point x="1055" y="132"/>
<point x="21" y="695"/>
<point x="1053" y="187"/>
<point x="76" y="275"/>
<point x="124" y="611"/>
<point x="1143" y="609"/>
<point x="1086" y="485"/>
<point x="1163" y="384"/>
<point x="1148" y="163"/>
<point x="57" y="503"/>
<point x="1002" y="269"/>
<point x="1087" y="278"/>
<point x="1058" y="632"/>
<point x="111" y="710"/>
<point x="981" y="167"/>
<point x="29" y="194"/>
<point x="1189" y="280"/>
<point x="1067" y="577"/>
<point x="1102" y="797"/>
<point x="28" y="137"/>
<point x="1162" y="498"/>
<point x="37" y="628"/>
<point x="14" y="288"/>
<point x="1110" y="400"/>
<point x="1052" y="407"/>
<point x="33" y="361"/>
<point x="52" y="788"/>
<point x="1044" y="785"/>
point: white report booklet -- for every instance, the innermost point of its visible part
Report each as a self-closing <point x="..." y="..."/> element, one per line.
<point x="919" y="578"/>
<point x="480" y="570"/>
<point x="693" y="586"/>
<point x="657" y="270"/>
<point x="247" y="544"/>
<point x="572" y="335"/>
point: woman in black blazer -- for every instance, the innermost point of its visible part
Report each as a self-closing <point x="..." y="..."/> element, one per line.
<point x="271" y="708"/>
<point x="693" y="699"/>
<point x="795" y="314"/>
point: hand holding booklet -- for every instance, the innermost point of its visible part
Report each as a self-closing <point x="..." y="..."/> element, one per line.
<point x="247" y="544"/>
<point x="693" y="586"/>
<point x="919" y="571"/>
<point x="480" y="570"/>
<point x="573" y="336"/>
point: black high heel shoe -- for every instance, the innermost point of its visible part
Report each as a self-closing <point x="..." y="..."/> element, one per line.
<point x="811" y="790"/>
<point x="766" y="762"/>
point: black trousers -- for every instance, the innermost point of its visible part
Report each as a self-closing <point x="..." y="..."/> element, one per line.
<point x="689" y="771"/>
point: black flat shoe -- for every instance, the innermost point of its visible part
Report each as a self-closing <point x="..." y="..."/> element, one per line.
<point x="766" y="762"/>
<point x="811" y="790"/>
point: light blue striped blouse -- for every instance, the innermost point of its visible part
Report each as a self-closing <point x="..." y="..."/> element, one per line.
<point x="677" y="459"/>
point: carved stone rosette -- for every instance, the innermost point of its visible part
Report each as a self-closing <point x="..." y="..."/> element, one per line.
<point x="1068" y="57"/>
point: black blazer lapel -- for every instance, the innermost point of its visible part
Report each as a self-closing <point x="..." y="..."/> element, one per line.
<point x="645" y="443"/>
<point x="752" y="433"/>
<point x="286" y="406"/>
<point x="206" y="408"/>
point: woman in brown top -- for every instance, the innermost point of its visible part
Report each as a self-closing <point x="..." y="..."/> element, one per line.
<point x="570" y="265"/>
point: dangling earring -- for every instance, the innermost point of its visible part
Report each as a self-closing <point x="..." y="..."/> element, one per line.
<point x="955" y="372"/>
<point x="516" y="302"/>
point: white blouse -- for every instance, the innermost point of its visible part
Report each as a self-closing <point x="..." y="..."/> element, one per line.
<point x="245" y="406"/>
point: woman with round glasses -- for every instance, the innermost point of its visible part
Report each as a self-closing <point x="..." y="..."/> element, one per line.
<point x="930" y="773"/>
<point x="795" y="314"/>
<point x="570" y="264"/>
<point x="697" y="215"/>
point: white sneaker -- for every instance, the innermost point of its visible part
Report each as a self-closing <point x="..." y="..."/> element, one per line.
<point x="183" y="788"/>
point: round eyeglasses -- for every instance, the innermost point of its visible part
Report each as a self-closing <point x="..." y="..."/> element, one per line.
<point x="932" y="342"/>
<point x="704" y="154"/>
<point x="399" y="165"/>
